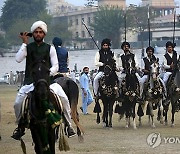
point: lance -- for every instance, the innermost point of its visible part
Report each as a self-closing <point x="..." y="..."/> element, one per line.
<point x="149" y="29"/>
<point x="90" y="34"/>
<point x="174" y="29"/>
<point x="125" y="25"/>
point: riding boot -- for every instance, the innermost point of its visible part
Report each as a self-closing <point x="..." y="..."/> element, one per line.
<point x="18" y="132"/>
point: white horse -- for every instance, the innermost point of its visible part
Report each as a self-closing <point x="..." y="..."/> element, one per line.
<point x="154" y="95"/>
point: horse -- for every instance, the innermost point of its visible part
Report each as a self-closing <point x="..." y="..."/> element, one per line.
<point x="40" y="113"/>
<point x="129" y="94"/>
<point x="173" y="93"/>
<point x="108" y="89"/>
<point x="153" y="94"/>
<point x="72" y="91"/>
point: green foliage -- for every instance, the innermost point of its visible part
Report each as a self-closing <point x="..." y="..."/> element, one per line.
<point x="108" y="23"/>
<point x="3" y="42"/>
<point x="137" y="17"/>
<point x="20" y="9"/>
<point x="59" y="29"/>
<point x="21" y="25"/>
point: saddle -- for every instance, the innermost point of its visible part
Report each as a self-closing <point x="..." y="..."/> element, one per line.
<point x="27" y="108"/>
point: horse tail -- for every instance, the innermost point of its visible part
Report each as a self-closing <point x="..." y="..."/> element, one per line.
<point x="74" y="102"/>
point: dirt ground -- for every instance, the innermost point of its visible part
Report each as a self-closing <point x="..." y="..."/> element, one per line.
<point x="97" y="140"/>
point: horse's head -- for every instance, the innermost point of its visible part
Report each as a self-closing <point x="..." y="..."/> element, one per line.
<point x="110" y="67"/>
<point x="130" y="67"/>
<point x="40" y="74"/>
<point x="109" y="82"/>
<point x="154" y="69"/>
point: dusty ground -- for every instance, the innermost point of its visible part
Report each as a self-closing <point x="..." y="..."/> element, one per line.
<point x="97" y="139"/>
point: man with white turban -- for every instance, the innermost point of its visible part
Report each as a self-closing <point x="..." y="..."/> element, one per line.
<point x="40" y="50"/>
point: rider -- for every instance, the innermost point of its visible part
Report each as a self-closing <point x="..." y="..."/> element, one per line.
<point x="38" y="50"/>
<point x="63" y="56"/>
<point x="145" y="67"/>
<point x="101" y="59"/>
<point x="169" y="61"/>
<point x="122" y="61"/>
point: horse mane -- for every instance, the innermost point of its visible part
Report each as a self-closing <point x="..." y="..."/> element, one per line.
<point x="40" y="71"/>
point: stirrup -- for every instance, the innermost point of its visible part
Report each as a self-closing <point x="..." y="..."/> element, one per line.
<point x="18" y="133"/>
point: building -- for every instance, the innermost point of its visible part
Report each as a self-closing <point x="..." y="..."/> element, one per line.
<point x="119" y="3"/>
<point x="161" y="27"/>
<point x="160" y="7"/>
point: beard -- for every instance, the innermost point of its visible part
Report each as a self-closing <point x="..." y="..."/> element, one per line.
<point x="38" y="39"/>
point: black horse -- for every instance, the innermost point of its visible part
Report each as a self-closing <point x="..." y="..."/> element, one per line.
<point x="108" y="89"/>
<point x="72" y="91"/>
<point x="129" y="94"/>
<point x="173" y="93"/>
<point x="40" y="112"/>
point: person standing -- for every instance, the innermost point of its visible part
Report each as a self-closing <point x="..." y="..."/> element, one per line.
<point x="35" y="51"/>
<point x="87" y="98"/>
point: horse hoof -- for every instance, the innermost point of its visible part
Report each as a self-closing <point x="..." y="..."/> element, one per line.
<point x="80" y="138"/>
<point x="172" y="125"/>
<point x="104" y="125"/>
<point x="126" y="126"/>
<point x="153" y="126"/>
<point x="165" y="123"/>
<point x="135" y="128"/>
<point x="140" y="124"/>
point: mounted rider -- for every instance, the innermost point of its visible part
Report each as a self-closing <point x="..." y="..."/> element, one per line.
<point x="102" y="57"/>
<point x="146" y="63"/>
<point x="122" y="61"/>
<point x="62" y="55"/>
<point x="170" y="60"/>
<point x="32" y="52"/>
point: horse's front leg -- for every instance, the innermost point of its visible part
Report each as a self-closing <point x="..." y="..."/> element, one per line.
<point x="166" y="108"/>
<point x="172" y="112"/>
<point x="127" y="121"/>
<point x="144" y="107"/>
<point x="110" y="113"/>
<point x="104" y="117"/>
<point x="134" y="115"/>
<point x="151" y="115"/>
<point x="51" y="139"/>
<point x="161" y="111"/>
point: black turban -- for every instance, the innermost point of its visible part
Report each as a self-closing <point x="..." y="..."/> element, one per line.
<point x="125" y="43"/>
<point x="106" y="41"/>
<point x="57" y="41"/>
<point x="150" y="48"/>
<point x="169" y="43"/>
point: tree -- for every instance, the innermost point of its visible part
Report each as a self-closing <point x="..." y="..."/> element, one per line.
<point x="3" y="43"/>
<point x="59" y="28"/>
<point x="90" y="2"/>
<point x="108" y="23"/>
<point x="21" y="25"/>
<point x="20" y="9"/>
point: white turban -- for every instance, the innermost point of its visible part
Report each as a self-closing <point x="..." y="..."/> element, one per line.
<point x="39" y="24"/>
